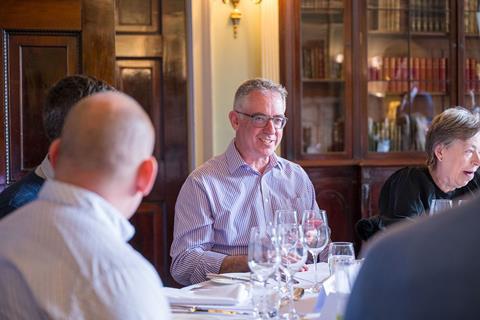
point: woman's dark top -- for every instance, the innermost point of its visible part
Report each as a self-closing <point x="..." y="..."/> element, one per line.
<point x="408" y="193"/>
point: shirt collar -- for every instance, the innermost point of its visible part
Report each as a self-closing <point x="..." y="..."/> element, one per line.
<point x="90" y="203"/>
<point x="45" y="169"/>
<point x="235" y="160"/>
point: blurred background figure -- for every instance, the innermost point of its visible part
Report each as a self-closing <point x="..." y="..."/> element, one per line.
<point x="60" y="99"/>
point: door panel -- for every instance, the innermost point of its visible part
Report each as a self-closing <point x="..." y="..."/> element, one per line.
<point x="150" y="42"/>
<point x="36" y="62"/>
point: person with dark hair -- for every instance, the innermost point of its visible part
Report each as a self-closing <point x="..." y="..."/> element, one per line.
<point x="452" y="147"/>
<point x="60" y="99"/>
<point x="243" y="187"/>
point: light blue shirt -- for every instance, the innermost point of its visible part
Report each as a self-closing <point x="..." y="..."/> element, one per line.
<point x="221" y="201"/>
<point x="69" y="247"/>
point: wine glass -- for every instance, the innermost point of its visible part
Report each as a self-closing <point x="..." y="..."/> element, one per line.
<point x="340" y="252"/>
<point x="285" y="216"/>
<point x="263" y="252"/>
<point x="294" y="255"/>
<point x="439" y="205"/>
<point x="316" y="232"/>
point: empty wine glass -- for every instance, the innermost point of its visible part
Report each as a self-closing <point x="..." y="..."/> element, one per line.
<point x="285" y="216"/>
<point x="294" y="255"/>
<point x="439" y="205"/>
<point x="263" y="252"/>
<point x="316" y="232"/>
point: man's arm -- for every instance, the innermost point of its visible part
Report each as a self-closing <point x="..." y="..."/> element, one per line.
<point x="193" y="236"/>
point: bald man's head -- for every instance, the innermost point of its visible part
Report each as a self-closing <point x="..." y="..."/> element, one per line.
<point x="106" y="133"/>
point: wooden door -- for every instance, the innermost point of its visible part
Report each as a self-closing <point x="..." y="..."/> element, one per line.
<point x="151" y="66"/>
<point x="42" y="42"/>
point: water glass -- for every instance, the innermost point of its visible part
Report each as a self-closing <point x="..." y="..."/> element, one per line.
<point x="340" y="252"/>
<point x="439" y="205"/>
<point x="285" y="216"/>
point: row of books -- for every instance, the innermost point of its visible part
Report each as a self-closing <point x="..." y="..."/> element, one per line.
<point x="425" y="16"/>
<point x="472" y="75"/>
<point x="471" y="5"/>
<point x="315" y="62"/>
<point x="471" y="23"/>
<point x="430" y="73"/>
<point x="321" y="4"/>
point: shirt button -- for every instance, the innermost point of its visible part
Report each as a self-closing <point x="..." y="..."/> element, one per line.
<point x="266" y="200"/>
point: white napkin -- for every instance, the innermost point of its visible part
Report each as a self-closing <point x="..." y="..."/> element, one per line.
<point x="232" y="294"/>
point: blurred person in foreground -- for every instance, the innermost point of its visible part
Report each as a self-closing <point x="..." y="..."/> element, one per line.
<point x="426" y="270"/>
<point x="59" y="100"/>
<point x="69" y="247"/>
<point x="452" y="146"/>
<point x="229" y="194"/>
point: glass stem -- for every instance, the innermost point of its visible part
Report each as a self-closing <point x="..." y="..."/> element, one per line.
<point x="315" y="258"/>
<point x="291" y="306"/>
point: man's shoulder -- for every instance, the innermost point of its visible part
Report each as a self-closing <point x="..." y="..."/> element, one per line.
<point x="20" y="193"/>
<point x="216" y="165"/>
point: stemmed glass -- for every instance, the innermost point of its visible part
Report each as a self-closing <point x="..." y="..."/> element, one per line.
<point x="294" y="255"/>
<point x="284" y="216"/>
<point x="316" y="231"/>
<point x="263" y="252"/>
<point x="264" y="260"/>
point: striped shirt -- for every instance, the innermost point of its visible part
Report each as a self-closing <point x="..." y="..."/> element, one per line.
<point x="69" y="249"/>
<point x="221" y="201"/>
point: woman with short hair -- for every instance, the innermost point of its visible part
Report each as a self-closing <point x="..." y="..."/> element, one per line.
<point x="453" y="157"/>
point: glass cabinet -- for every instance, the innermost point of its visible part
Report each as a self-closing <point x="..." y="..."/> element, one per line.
<point x="365" y="79"/>
<point x="323" y="108"/>
<point x="408" y="53"/>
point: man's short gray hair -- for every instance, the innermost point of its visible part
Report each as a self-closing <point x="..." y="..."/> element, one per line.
<point x="452" y="124"/>
<point x="257" y="84"/>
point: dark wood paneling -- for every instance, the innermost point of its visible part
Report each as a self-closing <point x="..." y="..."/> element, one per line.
<point x="336" y="190"/>
<point x="41" y="15"/>
<point x="36" y="62"/>
<point x="141" y="79"/>
<point x="151" y="67"/>
<point x="98" y="39"/>
<point x="372" y="180"/>
<point x="150" y="239"/>
<point x="137" y="16"/>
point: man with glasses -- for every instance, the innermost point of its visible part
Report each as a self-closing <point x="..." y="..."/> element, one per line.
<point x="231" y="193"/>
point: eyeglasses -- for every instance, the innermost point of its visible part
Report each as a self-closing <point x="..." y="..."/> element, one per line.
<point x="260" y="120"/>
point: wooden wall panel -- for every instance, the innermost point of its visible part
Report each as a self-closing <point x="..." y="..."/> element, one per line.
<point x="137" y="16"/>
<point x="372" y="180"/>
<point x="37" y="61"/>
<point x="149" y="237"/>
<point x="336" y="190"/>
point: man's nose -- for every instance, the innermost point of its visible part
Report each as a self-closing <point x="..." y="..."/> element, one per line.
<point x="270" y="127"/>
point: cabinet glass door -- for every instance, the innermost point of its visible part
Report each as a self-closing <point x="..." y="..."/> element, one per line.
<point x="323" y="80"/>
<point x="471" y="19"/>
<point x="408" y="50"/>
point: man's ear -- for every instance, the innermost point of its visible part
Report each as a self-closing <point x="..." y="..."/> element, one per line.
<point x="53" y="151"/>
<point x="146" y="174"/>
<point x="233" y="116"/>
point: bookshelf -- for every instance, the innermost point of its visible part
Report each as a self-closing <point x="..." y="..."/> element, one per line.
<point x="365" y="78"/>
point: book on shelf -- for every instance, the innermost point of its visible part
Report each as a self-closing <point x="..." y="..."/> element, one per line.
<point x="321" y="4"/>
<point x="314" y="56"/>
<point x="430" y="73"/>
<point x="424" y="16"/>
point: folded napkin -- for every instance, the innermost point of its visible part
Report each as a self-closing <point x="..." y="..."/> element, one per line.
<point x="220" y="295"/>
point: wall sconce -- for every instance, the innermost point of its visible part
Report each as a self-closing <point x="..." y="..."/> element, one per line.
<point x="236" y="15"/>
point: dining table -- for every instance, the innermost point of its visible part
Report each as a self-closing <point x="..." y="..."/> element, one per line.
<point x="227" y="296"/>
